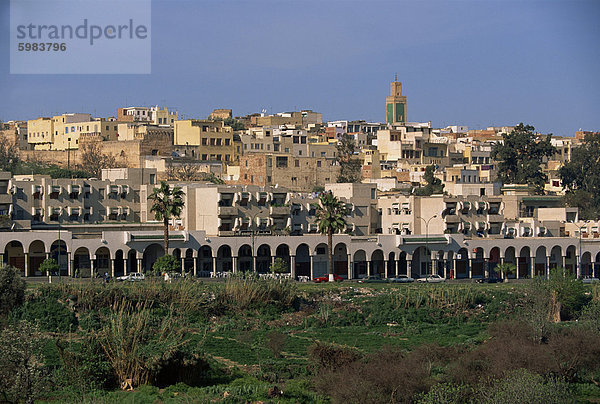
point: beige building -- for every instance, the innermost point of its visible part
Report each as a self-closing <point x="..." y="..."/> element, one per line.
<point x="149" y="115"/>
<point x="214" y="139"/>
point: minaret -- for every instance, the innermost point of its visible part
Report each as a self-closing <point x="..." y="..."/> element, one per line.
<point x="395" y="104"/>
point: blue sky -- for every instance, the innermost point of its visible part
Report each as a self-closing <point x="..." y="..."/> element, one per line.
<point x="476" y="63"/>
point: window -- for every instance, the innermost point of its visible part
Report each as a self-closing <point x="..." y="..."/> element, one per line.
<point x="152" y="179"/>
<point x="101" y="192"/>
<point x="268" y="178"/>
<point x="227" y="141"/>
<point x="296" y="163"/>
<point x="204" y="141"/>
<point x="154" y="152"/>
<point x="204" y="157"/>
<point x="319" y="163"/>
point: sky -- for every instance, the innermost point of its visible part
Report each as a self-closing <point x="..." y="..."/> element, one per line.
<point x="474" y="63"/>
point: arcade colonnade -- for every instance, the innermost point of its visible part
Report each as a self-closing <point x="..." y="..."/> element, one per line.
<point x="120" y="253"/>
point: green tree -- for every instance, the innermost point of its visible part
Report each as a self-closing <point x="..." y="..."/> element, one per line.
<point x="350" y="167"/>
<point x="506" y="268"/>
<point x="331" y="218"/>
<point x="9" y="155"/>
<point x="234" y="124"/>
<point x="279" y="266"/>
<point x="434" y="184"/>
<point x="49" y="266"/>
<point x="166" y="204"/>
<point x="581" y="177"/>
<point x="166" y="263"/>
<point x="12" y="290"/>
<point x="520" y="156"/>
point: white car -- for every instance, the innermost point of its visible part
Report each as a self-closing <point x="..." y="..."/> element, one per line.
<point x="590" y="280"/>
<point x="401" y="279"/>
<point x="432" y="279"/>
<point x="133" y="277"/>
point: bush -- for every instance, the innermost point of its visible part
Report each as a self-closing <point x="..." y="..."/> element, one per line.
<point x="49" y="266"/>
<point x="166" y="264"/>
<point x="331" y="357"/>
<point x="22" y="374"/>
<point x="12" y="290"/>
<point x="523" y="387"/>
<point x="48" y="313"/>
<point x="247" y="291"/>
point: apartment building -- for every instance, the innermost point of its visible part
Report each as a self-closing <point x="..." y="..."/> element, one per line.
<point x="149" y="115"/>
<point x="215" y="140"/>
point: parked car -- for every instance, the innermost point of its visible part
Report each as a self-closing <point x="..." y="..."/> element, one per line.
<point x="432" y="279"/>
<point x="401" y="279"/>
<point x="490" y="280"/>
<point x="590" y="280"/>
<point x="132" y="277"/>
<point x="372" y="279"/>
<point x="325" y="278"/>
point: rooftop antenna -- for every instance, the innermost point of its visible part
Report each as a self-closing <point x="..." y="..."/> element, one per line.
<point x="396" y="77"/>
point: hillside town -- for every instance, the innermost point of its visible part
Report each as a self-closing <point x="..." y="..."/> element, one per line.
<point x="419" y="200"/>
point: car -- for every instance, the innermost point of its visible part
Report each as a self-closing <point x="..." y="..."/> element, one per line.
<point x="588" y="279"/>
<point x="132" y="277"/>
<point x="401" y="279"/>
<point x="432" y="279"/>
<point x="325" y="278"/>
<point x="372" y="279"/>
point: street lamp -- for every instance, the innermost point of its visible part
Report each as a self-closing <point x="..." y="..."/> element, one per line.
<point x="428" y="261"/>
<point x="253" y="228"/>
<point x="579" y="264"/>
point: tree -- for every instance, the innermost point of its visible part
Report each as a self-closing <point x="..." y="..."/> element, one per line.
<point x="166" y="264"/>
<point x="93" y="160"/>
<point x="234" y="124"/>
<point x="279" y="266"/>
<point x="505" y="268"/>
<point x="49" y="266"/>
<point x="166" y="204"/>
<point x="350" y="167"/>
<point x="434" y="184"/>
<point x="12" y="290"/>
<point x="9" y="155"/>
<point x="520" y="156"/>
<point x="184" y="171"/>
<point x="331" y="218"/>
<point x="581" y="177"/>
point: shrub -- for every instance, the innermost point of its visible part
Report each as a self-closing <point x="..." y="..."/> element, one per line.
<point x="166" y="263"/>
<point x="279" y="266"/>
<point x="48" y="313"/>
<point x="445" y="393"/>
<point x="330" y="357"/>
<point x="276" y="342"/>
<point x="12" y="290"/>
<point x="523" y="387"/>
<point x="247" y="291"/>
<point x="84" y="366"/>
<point x="22" y="374"/>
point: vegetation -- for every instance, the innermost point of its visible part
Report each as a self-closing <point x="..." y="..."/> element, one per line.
<point x="93" y="160"/>
<point x="49" y="267"/>
<point x="166" y="264"/>
<point x="9" y="155"/>
<point x="234" y="124"/>
<point x="434" y="184"/>
<point x="350" y="167"/>
<point x="581" y="177"/>
<point x="167" y="203"/>
<point x="331" y="218"/>
<point x="251" y="339"/>
<point x="12" y="290"/>
<point x="520" y="155"/>
<point x="279" y="266"/>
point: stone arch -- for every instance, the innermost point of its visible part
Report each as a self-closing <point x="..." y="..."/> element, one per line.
<point x="263" y="258"/>
<point x="377" y="263"/>
<point x="205" y="261"/>
<point x="283" y="252"/>
<point x="524" y="267"/>
<point x="132" y="261"/>
<point x="302" y="260"/>
<point x="540" y="261"/>
<point x="245" y="258"/>
<point x="360" y="264"/>
<point x="102" y="259"/>
<point x="340" y="260"/>
<point x="391" y="265"/>
<point x="597" y="266"/>
<point x="478" y="264"/>
<point x="402" y="264"/>
<point x="119" y="263"/>
<point x="224" y="259"/>
<point x="58" y="252"/>
<point x="493" y="262"/>
<point x="571" y="259"/>
<point x="556" y="258"/>
<point x="462" y="264"/>
<point x="36" y="255"/>
<point x="177" y="253"/>
<point x="14" y="255"/>
<point x="320" y="260"/>
<point x="586" y="265"/>
<point x="151" y="254"/>
<point x="82" y="263"/>
<point x="188" y="261"/>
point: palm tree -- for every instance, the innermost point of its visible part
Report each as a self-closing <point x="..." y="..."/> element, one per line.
<point x="331" y="218"/>
<point x="505" y="268"/>
<point x="166" y="203"/>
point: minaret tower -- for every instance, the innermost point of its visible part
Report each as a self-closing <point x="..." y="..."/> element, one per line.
<point x="395" y="104"/>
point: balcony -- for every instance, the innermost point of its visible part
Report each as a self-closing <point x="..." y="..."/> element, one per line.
<point x="227" y="211"/>
<point x="495" y="218"/>
<point x="5" y="199"/>
<point x="279" y="210"/>
<point x="452" y="219"/>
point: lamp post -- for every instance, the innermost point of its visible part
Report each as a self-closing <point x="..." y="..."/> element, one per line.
<point x="253" y="236"/>
<point x="68" y="153"/>
<point x="428" y="261"/>
<point x="579" y="255"/>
